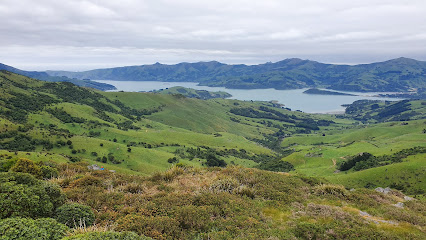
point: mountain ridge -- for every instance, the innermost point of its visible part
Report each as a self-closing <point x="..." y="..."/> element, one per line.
<point x="46" y="77"/>
<point x="395" y="75"/>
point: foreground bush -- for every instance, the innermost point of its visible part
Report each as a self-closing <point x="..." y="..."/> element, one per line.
<point x="75" y="215"/>
<point x="26" y="228"/>
<point x="241" y="203"/>
<point x="107" y="236"/>
<point x="22" y="195"/>
<point x="27" y="166"/>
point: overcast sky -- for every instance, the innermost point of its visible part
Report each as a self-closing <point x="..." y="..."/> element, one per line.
<point x="87" y="34"/>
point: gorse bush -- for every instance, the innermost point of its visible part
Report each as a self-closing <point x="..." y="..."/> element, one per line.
<point x="48" y="172"/>
<point x="26" y="228"/>
<point x="158" y="227"/>
<point x="225" y="185"/>
<point x="330" y="189"/>
<point x="87" y="181"/>
<point x="107" y="236"/>
<point x="25" y="196"/>
<point x="230" y="203"/>
<point x="6" y="164"/>
<point x="75" y="215"/>
<point x="27" y="166"/>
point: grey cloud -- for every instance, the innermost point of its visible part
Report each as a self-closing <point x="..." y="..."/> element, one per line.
<point x="81" y="34"/>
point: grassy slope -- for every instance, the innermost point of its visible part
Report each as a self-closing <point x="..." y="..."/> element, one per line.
<point x="193" y="123"/>
<point x="232" y="202"/>
<point x="156" y="130"/>
<point x="193" y="93"/>
<point x="316" y="154"/>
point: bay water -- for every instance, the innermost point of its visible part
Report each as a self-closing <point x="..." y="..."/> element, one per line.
<point x="294" y="99"/>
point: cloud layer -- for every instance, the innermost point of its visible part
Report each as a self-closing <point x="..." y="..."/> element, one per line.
<point x="86" y="34"/>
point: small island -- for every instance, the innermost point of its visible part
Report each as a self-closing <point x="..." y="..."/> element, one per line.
<point x="326" y="92"/>
<point x="194" y="93"/>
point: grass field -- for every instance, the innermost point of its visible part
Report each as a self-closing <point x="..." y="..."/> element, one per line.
<point x="318" y="155"/>
<point x="172" y="122"/>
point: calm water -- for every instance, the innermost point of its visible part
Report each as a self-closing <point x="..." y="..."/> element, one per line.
<point x="294" y="99"/>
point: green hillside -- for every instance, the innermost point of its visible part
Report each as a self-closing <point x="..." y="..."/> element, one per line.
<point x="321" y="154"/>
<point x="193" y="93"/>
<point x="148" y="132"/>
<point x="46" y="77"/>
<point x="385" y="111"/>
<point x="185" y="168"/>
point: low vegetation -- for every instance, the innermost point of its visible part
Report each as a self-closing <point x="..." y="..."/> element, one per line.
<point x="211" y="203"/>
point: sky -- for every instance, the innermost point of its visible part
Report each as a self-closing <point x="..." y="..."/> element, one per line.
<point x="86" y="34"/>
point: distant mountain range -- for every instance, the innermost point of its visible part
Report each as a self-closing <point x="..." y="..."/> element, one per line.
<point x="401" y="74"/>
<point x="46" y="77"/>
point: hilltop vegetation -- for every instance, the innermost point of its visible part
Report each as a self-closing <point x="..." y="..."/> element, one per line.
<point x="325" y="92"/>
<point x="193" y="93"/>
<point x="185" y="168"/>
<point x="395" y="75"/>
<point x="386" y="111"/>
<point x="211" y="203"/>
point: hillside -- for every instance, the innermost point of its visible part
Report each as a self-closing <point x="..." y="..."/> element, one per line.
<point x="193" y="93"/>
<point x="395" y="75"/>
<point x="46" y="77"/>
<point x="138" y="131"/>
<point x="186" y="168"/>
<point x="386" y="111"/>
<point x="147" y="132"/>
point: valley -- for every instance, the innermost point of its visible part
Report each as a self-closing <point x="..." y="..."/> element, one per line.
<point x="212" y="120"/>
<point x="157" y="148"/>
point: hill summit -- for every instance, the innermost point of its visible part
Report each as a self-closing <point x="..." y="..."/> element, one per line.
<point x="395" y="75"/>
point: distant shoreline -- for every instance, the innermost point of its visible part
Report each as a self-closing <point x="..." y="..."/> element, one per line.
<point x="326" y="92"/>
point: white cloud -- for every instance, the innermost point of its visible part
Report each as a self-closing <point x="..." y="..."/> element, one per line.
<point x="84" y="33"/>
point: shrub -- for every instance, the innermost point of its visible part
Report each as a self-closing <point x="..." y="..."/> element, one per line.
<point x="329" y="189"/>
<point x="350" y="163"/>
<point x="245" y="191"/>
<point x="75" y="215"/>
<point x="135" y="188"/>
<point x="26" y="228"/>
<point x="26" y="166"/>
<point x="193" y="217"/>
<point x="87" y="181"/>
<point x="213" y="161"/>
<point x="158" y="227"/>
<point x="48" y="172"/>
<point x="107" y="236"/>
<point x="276" y="165"/>
<point x="225" y="185"/>
<point x="306" y="230"/>
<point x="169" y="175"/>
<point x="6" y="164"/>
<point x="22" y="195"/>
<point x="172" y="160"/>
